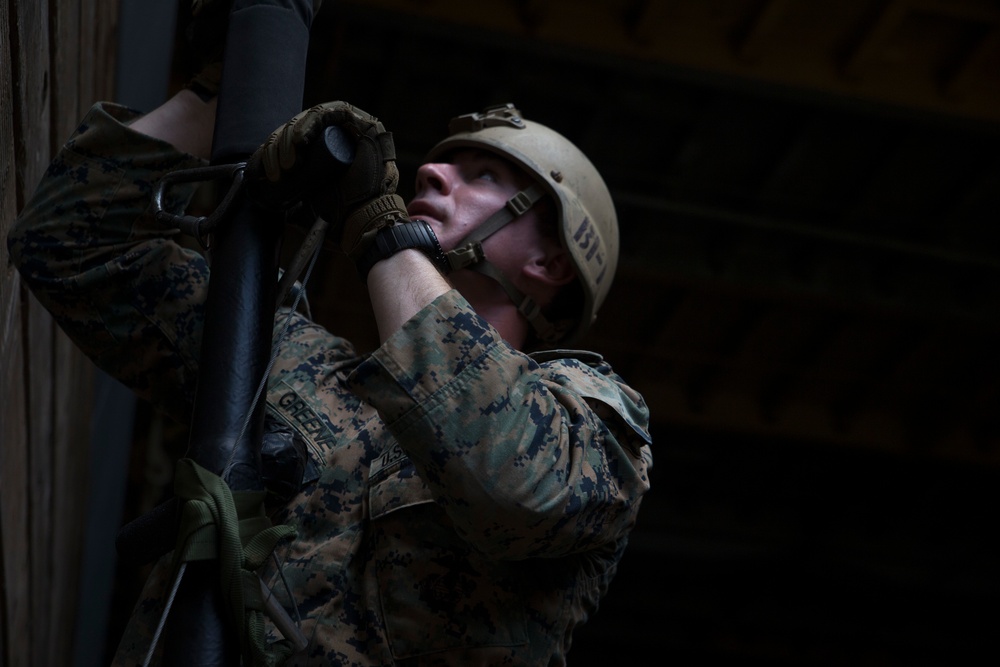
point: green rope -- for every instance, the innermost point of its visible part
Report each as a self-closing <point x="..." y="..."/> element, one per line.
<point x="217" y="523"/>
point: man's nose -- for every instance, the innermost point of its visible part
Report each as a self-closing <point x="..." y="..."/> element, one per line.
<point x="436" y="175"/>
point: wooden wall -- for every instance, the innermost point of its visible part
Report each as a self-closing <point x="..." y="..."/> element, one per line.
<point x="56" y="59"/>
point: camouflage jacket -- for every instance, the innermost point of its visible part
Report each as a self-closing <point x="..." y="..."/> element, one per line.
<point x="471" y="502"/>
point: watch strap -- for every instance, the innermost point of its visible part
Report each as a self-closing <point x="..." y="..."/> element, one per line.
<point x="415" y="234"/>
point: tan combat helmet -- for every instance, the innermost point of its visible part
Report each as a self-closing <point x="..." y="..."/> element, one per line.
<point x="588" y="225"/>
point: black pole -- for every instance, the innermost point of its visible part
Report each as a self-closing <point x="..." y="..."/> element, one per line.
<point x="262" y="87"/>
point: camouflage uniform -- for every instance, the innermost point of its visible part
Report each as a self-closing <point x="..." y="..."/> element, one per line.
<point x="471" y="502"/>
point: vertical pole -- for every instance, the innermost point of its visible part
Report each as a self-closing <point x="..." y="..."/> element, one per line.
<point x="262" y="87"/>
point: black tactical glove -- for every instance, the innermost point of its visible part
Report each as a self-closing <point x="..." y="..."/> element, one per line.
<point x="283" y="171"/>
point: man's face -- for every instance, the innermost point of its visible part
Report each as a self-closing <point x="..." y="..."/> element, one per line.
<point x="457" y="196"/>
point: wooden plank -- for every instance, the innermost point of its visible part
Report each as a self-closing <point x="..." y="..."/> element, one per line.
<point x="641" y="21"/>
<point x="26" y="477"/>
<point x="84" y="38"/>
<point x="31" y="104"/>
<point x="67" y="466"/>
<point x="67" y="60"/>
<point x="41" y="412"/>
<point x="97" y="37"/>
<point x="73" y="383"/>
<point x="15" y="616"/>
<point x="985" y="11"/>
<point x="761" y="30"/>
<point x="9" y="285"/>
<point x="106" y="55"/>
<point x="31" y="127"/>
<point x="88" y="32"/>
<point x="878" y="33"/>
<point x="962" y="78"/>
<point x="14" y="573"/>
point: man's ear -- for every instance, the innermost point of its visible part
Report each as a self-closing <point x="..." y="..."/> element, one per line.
<point x="554" y="267"/>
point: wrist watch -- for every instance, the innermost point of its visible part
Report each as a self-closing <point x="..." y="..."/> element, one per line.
<point x="415" y="234"/>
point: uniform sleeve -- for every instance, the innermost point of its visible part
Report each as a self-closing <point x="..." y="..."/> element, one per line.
<point x="86" y="244"/>
<point x="528" y="460"/>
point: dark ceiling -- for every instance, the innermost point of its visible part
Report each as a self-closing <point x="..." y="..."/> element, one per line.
<point x="808" y="296"/>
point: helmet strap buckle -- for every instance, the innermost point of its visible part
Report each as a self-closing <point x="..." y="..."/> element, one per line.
<point x="468" y="255"/>
<point x="520" y="203"/>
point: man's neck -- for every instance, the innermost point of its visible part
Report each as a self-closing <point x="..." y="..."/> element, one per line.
<point x="488" y="298"/>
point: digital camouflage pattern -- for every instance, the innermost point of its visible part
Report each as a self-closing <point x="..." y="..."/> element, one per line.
<point x="470" y="503"/>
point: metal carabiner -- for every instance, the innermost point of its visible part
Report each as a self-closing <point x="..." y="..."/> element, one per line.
<point x="198" y="226"/>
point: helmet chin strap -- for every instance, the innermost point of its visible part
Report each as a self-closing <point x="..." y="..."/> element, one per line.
<point x="468" y="254"/>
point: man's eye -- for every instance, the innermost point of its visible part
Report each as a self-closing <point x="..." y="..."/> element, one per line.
<point x="487" y="175"/>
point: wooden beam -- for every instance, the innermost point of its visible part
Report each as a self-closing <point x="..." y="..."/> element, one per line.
<point x="46" y="381"/>
<point x="532" y="13"/>
<point x="751" y="41"/>
<point x="962" y="78"/>
<point x="14" y="591"/>
<point x="984" y="11"/>
<point x="875" y="36"/>
<point x="644" y="18"/>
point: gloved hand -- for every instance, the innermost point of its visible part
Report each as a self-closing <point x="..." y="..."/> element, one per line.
<point x="282" y="172"/>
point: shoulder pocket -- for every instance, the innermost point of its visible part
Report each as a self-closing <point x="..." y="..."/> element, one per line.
<point x="394" y="483"/>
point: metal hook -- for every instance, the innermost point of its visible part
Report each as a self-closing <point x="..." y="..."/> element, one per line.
<point x="198" y="226"/>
